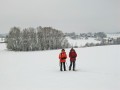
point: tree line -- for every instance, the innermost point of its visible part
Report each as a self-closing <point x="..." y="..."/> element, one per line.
<point x="31" y="39"/>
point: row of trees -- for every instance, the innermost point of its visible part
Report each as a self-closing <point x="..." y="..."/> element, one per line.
<point x="31" y="39"/>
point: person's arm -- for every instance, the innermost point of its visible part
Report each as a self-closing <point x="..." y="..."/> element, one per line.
<point x="66" y="55"/>
<point x="60" y="56"/>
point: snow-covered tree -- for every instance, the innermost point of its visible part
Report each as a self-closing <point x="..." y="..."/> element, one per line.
<point x="30" y="39"/>
<point x="13" y="39"/>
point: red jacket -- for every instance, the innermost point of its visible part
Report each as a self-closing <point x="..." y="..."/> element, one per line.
<point x="62" y="56"/>
<point x="72" y="55"/>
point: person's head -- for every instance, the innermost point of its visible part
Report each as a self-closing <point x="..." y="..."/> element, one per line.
<point x="63" y="50"/>
<point x="72" y="49"/>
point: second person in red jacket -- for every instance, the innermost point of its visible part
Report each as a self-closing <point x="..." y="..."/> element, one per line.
<point x="72" y="55"/>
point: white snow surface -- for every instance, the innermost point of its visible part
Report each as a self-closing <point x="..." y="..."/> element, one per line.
<point x="81" y="42"/>
<point x="2" y="40"/>
<point x="97" y="68"/>
<point x="113" y="36"/>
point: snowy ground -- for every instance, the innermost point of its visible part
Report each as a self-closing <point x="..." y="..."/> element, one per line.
<point x="113" y="35"/>
<point x="81" y="42"/>
<point x="98" y="68"/>
<point x="2" y="40"/>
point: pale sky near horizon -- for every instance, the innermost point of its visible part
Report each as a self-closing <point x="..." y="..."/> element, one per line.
<point x="66" y="15"/>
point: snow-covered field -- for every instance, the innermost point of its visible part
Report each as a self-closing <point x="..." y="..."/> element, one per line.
<point x="81" y="42"/>
<point x="112" y="35"/>
<point x="98" y="68"/>
<point x="2" y="40"/>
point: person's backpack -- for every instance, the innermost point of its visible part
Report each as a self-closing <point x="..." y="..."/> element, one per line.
<point x="73" y="54"/>
<point x="63" y="56"/>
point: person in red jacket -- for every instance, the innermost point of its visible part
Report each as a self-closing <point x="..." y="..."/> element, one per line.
<point x="72" y="55"/>
<point x="62" y="57"/>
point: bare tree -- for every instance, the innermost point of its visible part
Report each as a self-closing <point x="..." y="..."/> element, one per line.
<point x="30" y="39"/>
<point x="13" y="39"/>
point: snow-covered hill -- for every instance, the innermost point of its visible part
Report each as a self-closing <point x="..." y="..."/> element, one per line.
<point x="2" y="40"/>
<point x="98" y="68"/>
<point x="81" y="42"/>
<point x="113" y="35"/>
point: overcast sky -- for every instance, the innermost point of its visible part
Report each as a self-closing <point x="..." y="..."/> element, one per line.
<point x="66" y="15"/>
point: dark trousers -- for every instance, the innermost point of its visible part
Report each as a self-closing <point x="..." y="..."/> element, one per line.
<point x="62" y="64"/>
<point x="72" y="63"/>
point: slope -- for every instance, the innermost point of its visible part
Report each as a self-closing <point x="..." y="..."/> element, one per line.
<point x="98" y="68"/>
